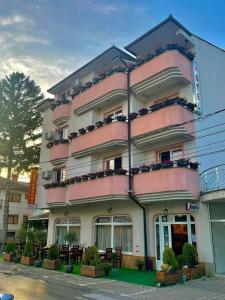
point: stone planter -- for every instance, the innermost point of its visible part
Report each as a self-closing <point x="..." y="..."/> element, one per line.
<point x="52" y="264"/>
<point x="91" y="271"/>
<point x="8" y="257"/>
<point x="28" y="261"/>
<point x="168" y="278"/>
<point x="195" y="272"/>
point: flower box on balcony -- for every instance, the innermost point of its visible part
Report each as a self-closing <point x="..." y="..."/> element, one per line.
<point x="85" y="177"/>
<point x="82" y="130"/>
<point x="72" y="135"/>
<point x="144" y="168"/>
<point x="90" y="128"/>
<point x="108" y="120"/>
<point x="167" y="164"/>
<point x="143" y="111"/>
<point x="134" y="171"/>
<point x="156" y="166"/>
<point x="121" y="118"/>
<point x="77" y="179"/>
<point x="120" y="172"/>
<point x="182" y="162"/>
<point x="194" y="165"/>
<point x="100" y="174"/>
<point x="132" y="116"/>
<point x="92" y="175"/>
<point x="99" y="124"/>
<point x="109" y="172"/>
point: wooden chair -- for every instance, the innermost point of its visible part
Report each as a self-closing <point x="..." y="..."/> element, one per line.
<point x="108" y="254"/>
<point x="118" y="260"/>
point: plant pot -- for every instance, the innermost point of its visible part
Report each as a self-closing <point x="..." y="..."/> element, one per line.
<point x="168" y="278"/>
<point x="100" y="174"/>
<point x="26" y="260"/>
<point x="38" y="263"/>
<point x="121" y="118"/>
<point x="92" y="175"/>
<point x="17" y="259"/>
<point x="144" y="169"/>
<point x="109" y="172"/>
<point x="156" y="166"/>
<point x="191" y="106"/>
<point x="194" y="165"/>
<point x="95" y="80"/>
<point x="99" y="124"/>
<point x="52" y="264"/>
<point x="143" y="111"/>
<point x="84" y="177"/>
<point x="167" y="165"/>
<point x="134" y="171"/>
<point x="132" y="116"/>
<point x="69" y="269"/>
<point x="8" y="257"/>
<point x="154" y="107"/>
<point x="90" y="128"/>
<point x="82" y="130"/>
<point x="107" y="273"/>
<point x="108" y="120"/>
<point x="77" y="179"/>
<point x="91" y="271"/>
<point x="120" y="172"/>
<point x="140" y="267"/>
<point x="182" y="163"/>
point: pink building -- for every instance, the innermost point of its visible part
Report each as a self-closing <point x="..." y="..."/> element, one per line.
<point x="119" y="157"/>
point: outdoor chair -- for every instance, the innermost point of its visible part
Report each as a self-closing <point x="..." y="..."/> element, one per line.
<point x="118" y="259"/>
<point x="108" y="254"/>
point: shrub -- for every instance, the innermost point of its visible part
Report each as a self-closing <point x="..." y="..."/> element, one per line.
<point x="190" y="254"/>
<point x="53" y="252"/>
<point x="40" y="237"/>
<point x="28" y="249"/>
<point x="10" y="247"/>
<point x="181" y="261"/>
<point x="91" y="256"/>
<point x="169" y="258"/>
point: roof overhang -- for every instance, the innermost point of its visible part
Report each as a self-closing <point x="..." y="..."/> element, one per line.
<point x="40" y="214"/>
<point x="45" y="104"/>
<point x="167" y="32"/>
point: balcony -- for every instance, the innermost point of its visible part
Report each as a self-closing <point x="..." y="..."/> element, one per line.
<point x="56" y="196"/>
<point x="107" y="91"/>
<point x="162" y="126"/>
<point x="181" y="184"/>
<point x="168" y="69"/>
<point x="61" y="114"/>
<point x="213" y="184"/>
<point x="98" y="190"/>
<point x="110" y="136"/>
<point x="59" y="153"/>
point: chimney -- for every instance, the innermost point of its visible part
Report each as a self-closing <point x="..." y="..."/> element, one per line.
<point x="15" y="177"/>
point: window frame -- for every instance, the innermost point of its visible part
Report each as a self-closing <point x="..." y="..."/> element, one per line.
<point x="112" y="158"/>
<point x="113" y="224"/>
<point x="13" y="216"/>
<point x="171" y="150"/>
<point x="67" y="225"/>
<point x="113" y="112"/>
<point x="65" y="131"/>
<point x="62" y="174"/>
<point x="12" y="195"/>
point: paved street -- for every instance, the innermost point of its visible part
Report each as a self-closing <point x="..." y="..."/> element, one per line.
<point x="28" y="283"/>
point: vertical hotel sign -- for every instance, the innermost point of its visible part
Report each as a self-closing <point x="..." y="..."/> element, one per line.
<point x="33" y="185"/>
<point x="197" y="93"/>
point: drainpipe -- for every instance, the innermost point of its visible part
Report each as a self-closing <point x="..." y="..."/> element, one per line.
<point x="130" y="188"/>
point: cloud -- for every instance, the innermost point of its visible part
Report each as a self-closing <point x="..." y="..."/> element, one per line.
<point x="11" y="20"/>
<point x="98" y="7"/>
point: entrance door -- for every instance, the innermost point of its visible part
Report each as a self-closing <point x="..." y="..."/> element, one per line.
<point x="179" y="234"/>
<point x="165" y="240"/>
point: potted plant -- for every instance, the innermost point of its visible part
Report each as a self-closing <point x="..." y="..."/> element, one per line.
<point x="64" y="141"/>
<point x="167" y="164"/>
<point x="120" y="171"/>
<point x="77" y="179"/>
<point x="9" y="251"/>
<point x="107" y="267"/>
<point x="108" y="120"/>
<point x="110" y="72"/>
<point x="92" y="175"/>
<point x="194" y="165"/>
<point x="132" y="116"/>
<point x="139" y="62"/>
<point x="159" y="51"/>
<point x="154" y="107"/>
<point x="134" y="171"/>
<point x="190" y="55"/>
<point x="53" y="261"/>
<point x="100" y="174"/>
<point x="82" y="88"/>
<point x="95" y="80"/>
<point x="49" y="145"/>
<point x="82" y="130"/>
<point x="28" y="254"/>
<point x="88" y="84"/>
<point x="102" y="76"/>
<point x="143" y="111"/>
<point x="72" y="135"/>
<point x="172" y="46"/>
<point x="109" y="172"/>
<point x="182" y="162"/>
<point x="189" y="253"/>
<point x="191" y="106"/>
<point x="91" y="264"/>
<point x="99" y="124"/>
<point x="121" y="118"/>
<point x="71" y="238"/>
<point x="85" y="177"/>
<point x="140" y="264"/>
<point x="144" y="168"/>
<point x="90" y="128"/>
<point x="120" y="69"/>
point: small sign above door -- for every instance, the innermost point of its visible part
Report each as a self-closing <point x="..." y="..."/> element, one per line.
<point x="191" y="206"/>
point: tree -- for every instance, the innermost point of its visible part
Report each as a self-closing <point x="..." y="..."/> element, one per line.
<point x="20" y="132"/>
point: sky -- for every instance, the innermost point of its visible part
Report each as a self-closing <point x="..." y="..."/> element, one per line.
<point x="49" y="39"/>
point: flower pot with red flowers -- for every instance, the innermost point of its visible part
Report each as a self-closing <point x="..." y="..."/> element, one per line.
<point x="143" y="111"/>
<point x="121" y="118"/>
<point x="100" y="174"/>
<point x="182" y="162"/>
<point x="134" y="171"/>
<point x="99" y="124"/>
<point x="108" y="120"/>
<point x="132" y="116"/>
<point x="156" y="166"/>
<point x="90" y="128"/>
<point x="167" y="164"/>
<point x="77" y="179"/>
<point x="82" y="130"/>
<point x="85" y="177"/>
<point x="109" y="172"/>
<point x="144" y="168"/>
<point x="194" y="165"/>
<point x="120" y="171"/>
<point x="92" y="175"/>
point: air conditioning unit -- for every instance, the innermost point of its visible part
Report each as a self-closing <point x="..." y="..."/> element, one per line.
<point x="49" y="136"/>
<point x="46" y="174"/>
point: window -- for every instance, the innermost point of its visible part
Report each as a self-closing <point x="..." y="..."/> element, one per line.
<point x="15" y="197"/>
<point x="59" y="175"/>
<point x="113" y="163"/>
<point x="112" y="232"/>
<point x="65" y="225"/>
<point x="174" y="154"/>
<point x="61" y="134"/>
<point x="13" y="219"/>
<point x="116" y="112"/>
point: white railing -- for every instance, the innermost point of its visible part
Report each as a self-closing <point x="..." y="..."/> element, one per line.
<point x="213" y="179"/>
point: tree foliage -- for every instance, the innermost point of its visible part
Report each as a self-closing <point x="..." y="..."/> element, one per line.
<point x="20" y="121"/>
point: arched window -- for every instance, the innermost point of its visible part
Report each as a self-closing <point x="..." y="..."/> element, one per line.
<point x="65" y="225"/>
<point x="112" y="232"/>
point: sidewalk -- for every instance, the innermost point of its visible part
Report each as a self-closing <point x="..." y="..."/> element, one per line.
<point x="207" y="289"/>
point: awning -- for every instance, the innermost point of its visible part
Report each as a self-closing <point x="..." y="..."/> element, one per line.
<point x="39" y="214"/>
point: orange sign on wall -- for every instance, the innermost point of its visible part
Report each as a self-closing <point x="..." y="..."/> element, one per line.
<point x="33" y="185"/>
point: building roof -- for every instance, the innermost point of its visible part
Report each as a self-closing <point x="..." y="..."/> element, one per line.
<point x="15" y="186"/>
<point x="103" y="60"/>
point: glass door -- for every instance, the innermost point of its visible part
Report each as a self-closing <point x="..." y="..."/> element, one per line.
<point x="165" y="240"/>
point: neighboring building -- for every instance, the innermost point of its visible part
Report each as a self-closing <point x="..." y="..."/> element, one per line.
<point x="109" y="211"/>
<point x="19" y="210"/>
